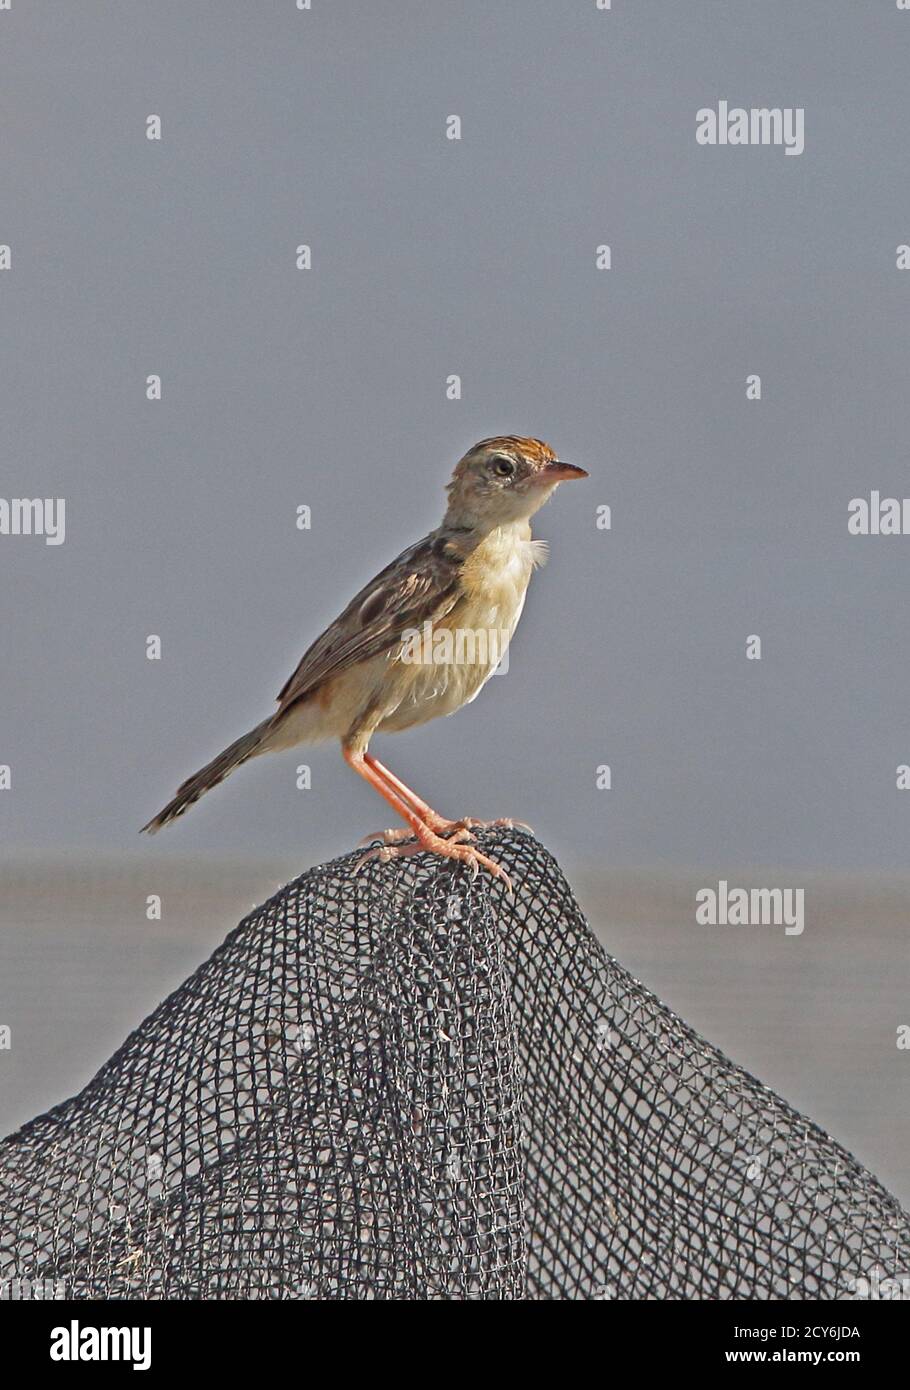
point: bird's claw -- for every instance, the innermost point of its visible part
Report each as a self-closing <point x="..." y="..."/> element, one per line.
<point x="503" y="823"/>
<point x="384" y="853"/>
<point x="453" y="847"/>
<point x="388" y="837"/>
<point x="455" y="831"/>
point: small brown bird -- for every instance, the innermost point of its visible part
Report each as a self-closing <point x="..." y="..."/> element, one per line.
<point x="419" y="640"/>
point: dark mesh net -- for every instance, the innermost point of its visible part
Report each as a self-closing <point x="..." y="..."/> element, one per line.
<point x="409" y="1085"/>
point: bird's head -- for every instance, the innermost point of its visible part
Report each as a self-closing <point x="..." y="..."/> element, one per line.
<point x="504" y="480"/>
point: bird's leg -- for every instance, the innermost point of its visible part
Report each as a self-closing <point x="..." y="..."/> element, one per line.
<point x="398" y="794"/>
<point x="426" y="838"/>
<point x="441" y="825"/>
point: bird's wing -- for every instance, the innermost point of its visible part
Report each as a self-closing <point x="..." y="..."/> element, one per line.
<point x="420" y="586"/>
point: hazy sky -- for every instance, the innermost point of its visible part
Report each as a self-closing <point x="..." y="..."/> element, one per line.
<point x="327" y="388"/>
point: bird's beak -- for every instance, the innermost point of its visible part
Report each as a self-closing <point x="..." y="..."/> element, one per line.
<point x="557" y="472"/>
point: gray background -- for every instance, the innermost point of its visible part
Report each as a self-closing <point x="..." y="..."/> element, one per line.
<point x="327" y="388"/>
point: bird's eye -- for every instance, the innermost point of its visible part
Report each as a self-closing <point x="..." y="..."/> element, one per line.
<point x="502" y="467"/>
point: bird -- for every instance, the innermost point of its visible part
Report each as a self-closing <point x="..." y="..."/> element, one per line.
<point x="408" y="647"/>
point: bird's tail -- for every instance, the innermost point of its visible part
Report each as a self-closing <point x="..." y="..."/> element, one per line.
<point x="209" y="776"/>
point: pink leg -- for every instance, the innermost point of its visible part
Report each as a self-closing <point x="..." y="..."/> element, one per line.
<point x="426" y="837"/>
<point x="441" y="825"/>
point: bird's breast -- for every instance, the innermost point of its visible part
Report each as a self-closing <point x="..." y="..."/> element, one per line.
<point x="495" y="576"/>
<point x="455" y="657"/>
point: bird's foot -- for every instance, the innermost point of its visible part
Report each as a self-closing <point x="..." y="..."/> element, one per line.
<point x="503" y="823"/>
<point x="399" y="834"/>
<point x="456" y="831"/>
<point x="452" y="848"/>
